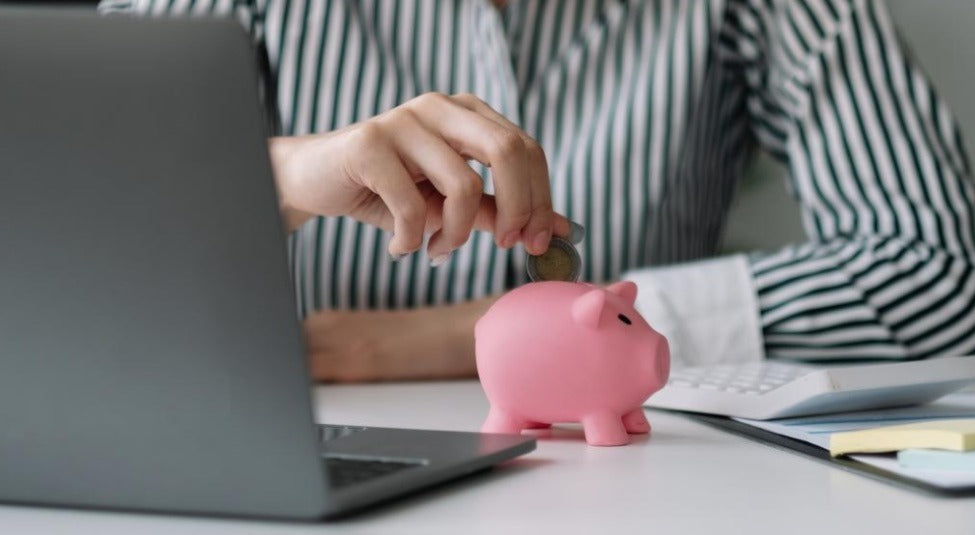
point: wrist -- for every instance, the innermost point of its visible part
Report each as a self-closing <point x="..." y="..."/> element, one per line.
<point x="282" y="151"/>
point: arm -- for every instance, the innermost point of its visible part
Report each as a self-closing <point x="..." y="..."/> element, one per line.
<point x="423" y="343"/>
<point x="431" y="342"/>
<point x="886" y="193"/>
<point x="281" y="150"/>
<point x="404" y="171"/>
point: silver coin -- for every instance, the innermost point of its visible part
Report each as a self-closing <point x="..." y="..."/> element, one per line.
<point x="561" y="262"/>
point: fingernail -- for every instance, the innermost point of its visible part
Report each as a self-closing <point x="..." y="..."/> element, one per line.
<point x="397" y="257"/>
<point x="540" y="241"/>
<point x="439" y="260"/>
<point x="510" y="239"/>
<point x="577" y="232"/>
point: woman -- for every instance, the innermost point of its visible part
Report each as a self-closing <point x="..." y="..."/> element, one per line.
<point x="646" y="112"/>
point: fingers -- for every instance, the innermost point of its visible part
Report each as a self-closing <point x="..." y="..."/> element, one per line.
<point x="459" y="185"/>
<point x="515" y="163"/>
<point x="543" y="221"/>
<point x="389" y="179"/>
<point x="427" y="142"/>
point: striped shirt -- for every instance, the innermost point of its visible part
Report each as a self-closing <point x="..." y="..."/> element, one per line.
<point x="647" y="112"/>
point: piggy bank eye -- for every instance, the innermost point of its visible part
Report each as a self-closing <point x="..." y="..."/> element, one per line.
<point x="624" y="319"/>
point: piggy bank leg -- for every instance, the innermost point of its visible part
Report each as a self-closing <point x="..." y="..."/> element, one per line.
<point x="500" y="421"/>
<point x="605" y="429"/>
<point x="636" y="422"/>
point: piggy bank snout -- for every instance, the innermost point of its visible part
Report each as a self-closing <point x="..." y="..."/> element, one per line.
<point x="658" y="361"/>
<point x="650" y="360"/>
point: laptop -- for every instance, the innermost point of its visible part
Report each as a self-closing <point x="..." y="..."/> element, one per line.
<point x="150" y="352"/>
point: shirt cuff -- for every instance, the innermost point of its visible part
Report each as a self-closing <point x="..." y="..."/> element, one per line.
<point x="708" y="310"/>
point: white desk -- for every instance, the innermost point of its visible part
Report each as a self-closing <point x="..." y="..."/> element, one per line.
<point x="686" y="478"/>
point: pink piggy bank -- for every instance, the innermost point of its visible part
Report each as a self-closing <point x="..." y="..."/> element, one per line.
<point x="551" y="352"/>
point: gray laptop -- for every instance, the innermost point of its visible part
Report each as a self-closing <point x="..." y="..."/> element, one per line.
<point x="150" y="353"/>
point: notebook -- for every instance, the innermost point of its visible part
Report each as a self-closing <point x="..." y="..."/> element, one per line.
<point x="810" y="436"/>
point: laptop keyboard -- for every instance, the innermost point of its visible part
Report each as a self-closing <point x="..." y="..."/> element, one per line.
<point x="332" y="432"/>
<point x="344" y="471"/>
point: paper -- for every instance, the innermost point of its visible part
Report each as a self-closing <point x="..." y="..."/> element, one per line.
<point x="959" y="461"/>
<point x="816" y="430"/>
<point x="955" y="435"/>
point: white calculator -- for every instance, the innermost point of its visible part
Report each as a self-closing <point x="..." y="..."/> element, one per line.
<point x="768" y="389"/>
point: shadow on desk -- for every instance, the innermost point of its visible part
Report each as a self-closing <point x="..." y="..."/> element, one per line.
<point x="491" y="476"/>
<point x="574" y="433"/>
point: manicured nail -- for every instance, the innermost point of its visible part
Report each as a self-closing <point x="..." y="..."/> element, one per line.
<point x="439" y="260"/>
<point x="540" y="241"/>
<point x="510" y="239"/>
<point x="577" y="232"/>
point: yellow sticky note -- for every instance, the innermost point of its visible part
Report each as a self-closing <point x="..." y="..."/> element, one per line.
<point x="956" y="435"/>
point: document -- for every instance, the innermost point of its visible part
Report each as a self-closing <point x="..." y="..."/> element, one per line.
<point x="816" y="430"/>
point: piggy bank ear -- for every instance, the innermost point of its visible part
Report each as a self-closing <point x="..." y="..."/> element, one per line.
<point x="588" y="308"/>
<point x="624" y="289"/>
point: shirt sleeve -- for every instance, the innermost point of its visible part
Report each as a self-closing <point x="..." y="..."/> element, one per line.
<point x="707" y="310"/>
<point x="877" y="164"/>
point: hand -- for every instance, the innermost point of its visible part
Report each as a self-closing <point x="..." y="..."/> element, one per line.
<point x="406" y="170"/>
<point x="426" y="343"/>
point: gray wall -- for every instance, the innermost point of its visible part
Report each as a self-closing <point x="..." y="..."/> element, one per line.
<point x="940" y="35"/>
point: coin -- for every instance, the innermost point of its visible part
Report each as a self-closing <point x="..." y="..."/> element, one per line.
<point x="561" y="262"/>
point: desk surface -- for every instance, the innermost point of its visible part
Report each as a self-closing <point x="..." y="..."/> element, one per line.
<point x="686" y="478"/>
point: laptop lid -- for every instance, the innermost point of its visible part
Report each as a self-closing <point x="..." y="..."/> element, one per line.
<point x="150" y="355"/>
